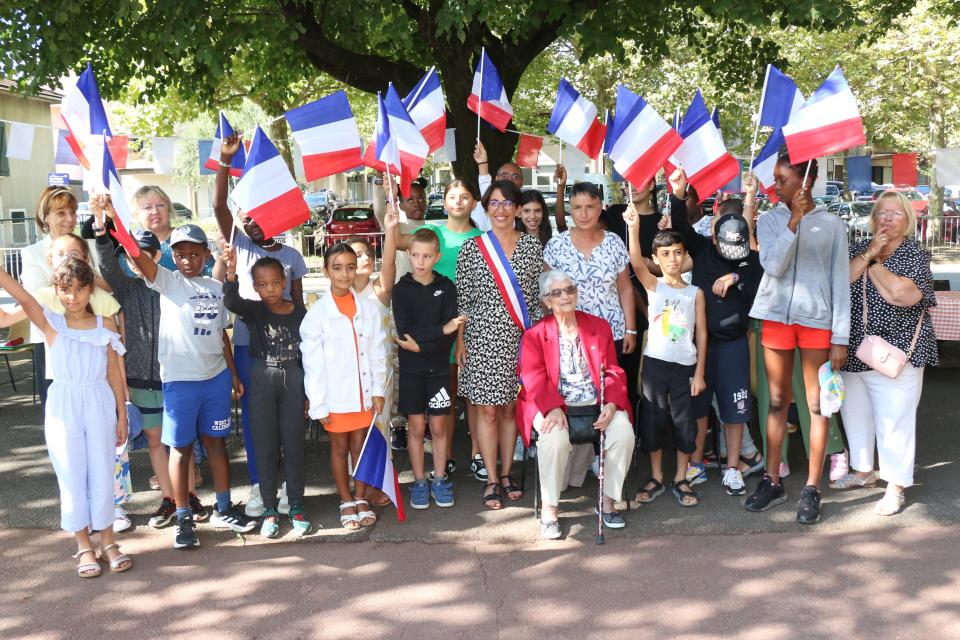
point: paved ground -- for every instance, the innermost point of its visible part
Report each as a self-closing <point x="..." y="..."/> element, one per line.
<point x="672" y="572"/>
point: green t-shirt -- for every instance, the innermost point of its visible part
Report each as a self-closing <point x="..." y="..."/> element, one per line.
<point x="450" y="243"/>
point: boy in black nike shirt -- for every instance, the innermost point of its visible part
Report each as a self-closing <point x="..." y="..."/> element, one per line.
<point x="425" y="311"/>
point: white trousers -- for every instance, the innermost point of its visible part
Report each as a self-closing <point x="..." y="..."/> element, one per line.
<point x="882" y="412"/>
<point x="83" y="459"/>
<point x="553" y="450"/>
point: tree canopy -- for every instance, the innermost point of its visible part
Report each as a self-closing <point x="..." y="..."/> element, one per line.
<point x="281" y="52"/>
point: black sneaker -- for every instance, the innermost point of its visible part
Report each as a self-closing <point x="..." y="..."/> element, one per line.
<point x="808" y="508"/>
<point x="233" y="518"/>
<point x="398" y="437"/>
<point x="164" y="515"/>
<point x="766" y="495"/>
<point x="451" y="465"/>
<point x="200" y="512"/>
<point x="478" y="469"/>
<point x="186" y="537"/>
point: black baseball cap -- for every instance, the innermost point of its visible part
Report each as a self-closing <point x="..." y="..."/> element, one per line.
<point x="145" y="240"/>
<point x="733" y="237"/>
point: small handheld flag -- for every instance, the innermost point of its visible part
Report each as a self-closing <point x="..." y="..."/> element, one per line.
<point x="426" y="107"/>
<point x="574" y="121"/>
<point x="375" y="468"/>
<point x="640" y="141"/>
<point x="703" y="154"/>
<point x="412" y="149"/>
<point x="123" y="219"/>
<point x="327" y="135"/>
<point x="85" y="117"/>
<point x="239" y="158"/>
<point x="488" y="98"/>
<point x="828" y="122"/>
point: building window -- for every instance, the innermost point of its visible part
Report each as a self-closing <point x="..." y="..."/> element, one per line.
<point x="4" y="163"/>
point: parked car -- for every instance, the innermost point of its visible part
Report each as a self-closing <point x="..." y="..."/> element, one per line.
<point x="435" y="211"/>
<point x="917" y="200"/>
<point x="923" y="189"/>
<point x="182" y="211"/>
<point x="832" y="194"/>
<point x="856" y="215"/>
<point x="320" y="206"/>
<point x="951" y="192"/>
<point x="352" y="220"/>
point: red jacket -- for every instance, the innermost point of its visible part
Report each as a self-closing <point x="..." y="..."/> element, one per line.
<point x="540" y="368"/>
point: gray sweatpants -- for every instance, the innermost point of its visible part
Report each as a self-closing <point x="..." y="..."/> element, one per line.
<point x="276" y="421"/>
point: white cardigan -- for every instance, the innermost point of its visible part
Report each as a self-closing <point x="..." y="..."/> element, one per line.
<point x="330" y="358"/>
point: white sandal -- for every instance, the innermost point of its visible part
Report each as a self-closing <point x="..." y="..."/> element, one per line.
<point x="890" y="504"/>
<point x="346" y="519"/>
<point x="119" y="564"/>
<point x="368" y="515"/>
<point x="87" y="569"/>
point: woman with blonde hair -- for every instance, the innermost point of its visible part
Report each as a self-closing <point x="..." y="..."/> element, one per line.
<point x="891" y="288"/>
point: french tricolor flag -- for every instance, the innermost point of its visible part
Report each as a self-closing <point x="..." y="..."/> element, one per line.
<point x="828" y="122"/>
<point x="327" y="135"/>
<point x="765" y="162"/>
<point x="385" y="148"/>
<point x="703" y="154"/>
<point x="780" y="100"/>
<point x="267" y="192"/>
<point x="574" y="121"/>
<point x="375" y="468"/>
<point x="86" y="120"/>
<point x="412" y="149"/>
<point x="110" y="181"/>
<point x="239" y="159"/>
<point x="488" y="99"/>
<point x="640" y="141"/>
<point x="427" y="109"/>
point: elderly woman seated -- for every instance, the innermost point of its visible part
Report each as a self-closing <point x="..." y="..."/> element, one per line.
<point x="560" y="362"/>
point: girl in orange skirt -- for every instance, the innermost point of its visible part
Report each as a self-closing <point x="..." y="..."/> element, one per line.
<point x="344" y="363"/>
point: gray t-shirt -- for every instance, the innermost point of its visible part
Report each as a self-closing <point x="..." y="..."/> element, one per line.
<point x="192" y="320"/>
<point x="248" y="253"/>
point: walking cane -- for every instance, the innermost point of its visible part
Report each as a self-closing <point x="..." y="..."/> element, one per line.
<point x="603" y="442"/>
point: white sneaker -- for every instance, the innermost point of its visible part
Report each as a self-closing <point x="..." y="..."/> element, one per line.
<point x="121" y="522"/>
<point x="254" y="507"/>
<point x="283" y="506"/>
<point x="518" y="450"/>
<point x="733" y="482"/>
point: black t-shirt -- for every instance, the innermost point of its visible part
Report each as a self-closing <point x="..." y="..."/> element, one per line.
<point x="274" y="337"/>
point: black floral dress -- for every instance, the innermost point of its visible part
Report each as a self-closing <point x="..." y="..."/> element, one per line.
<point x="894" y="324"/>
<point x="491" y="338"/>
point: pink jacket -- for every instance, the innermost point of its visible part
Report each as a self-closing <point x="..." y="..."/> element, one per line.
<point x="540" y="368"/>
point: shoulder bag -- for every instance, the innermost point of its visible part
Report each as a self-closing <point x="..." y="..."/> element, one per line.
<point x="877" y="353"/>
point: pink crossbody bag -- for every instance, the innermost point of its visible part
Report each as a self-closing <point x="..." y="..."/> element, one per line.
<point x="877" y="353"/>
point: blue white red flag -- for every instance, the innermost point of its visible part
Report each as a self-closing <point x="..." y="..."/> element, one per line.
<point x="412" y="149"/>
<point x="327" y="135"/>
<point x="765" y="162"/>
<point x="267" y="192"/>
<point x="239" y="159"/>
<point x="703" y="154"/>
<point x="574" y="121"/>
<point x="640" y="141"/>
<point x="123" y="219"/>
<point x="427" y="109"/>
<point x="84" y="115"/>
<point x="374" y="467"/>
<point x="780" y="99"/>
<point x="505" y="279"/>
<point x="488" y="98"/>
<point x="828" y="122"/>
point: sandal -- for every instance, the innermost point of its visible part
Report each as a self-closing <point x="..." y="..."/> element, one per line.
<point x="852" y="481"/>
<point x="384" y="500"/>
<point x="366" y="517"/>
<point x="682" y="495"/>
<point x="119" y="563"/>
<point x="510" y="488"/>
<point x="890" y="504"/>
<point x="652" y="487"/>
<point x="87" y="569"/>
<point x="349" y="520"/>
<point x="489" y="499"/>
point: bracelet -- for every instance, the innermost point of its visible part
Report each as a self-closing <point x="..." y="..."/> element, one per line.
<point x="484" y="162"/>
<point x="866" y="257"/>
<point x="222" y="164"/>
<point x="96" y="229"/>
<point x="630" y="332"/>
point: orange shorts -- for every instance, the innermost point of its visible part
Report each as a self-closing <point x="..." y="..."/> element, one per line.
<point x="777" y="335"/>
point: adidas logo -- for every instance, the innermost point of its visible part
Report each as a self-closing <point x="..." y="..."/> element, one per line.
<point x="441" y="400"/>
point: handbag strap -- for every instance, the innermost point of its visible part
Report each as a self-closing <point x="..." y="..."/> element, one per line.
<point x="916" y="332"/>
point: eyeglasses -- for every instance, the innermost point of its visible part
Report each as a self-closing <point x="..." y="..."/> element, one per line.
<point x="556" y="293"/>
<point x="496" y="204"/>
<point x="891" y="213"/>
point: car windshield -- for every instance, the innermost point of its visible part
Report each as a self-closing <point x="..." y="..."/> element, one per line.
<point x="352" y="215"/>
<point x="861" y="208"/>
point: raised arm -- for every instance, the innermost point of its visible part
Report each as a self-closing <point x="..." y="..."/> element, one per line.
<point x="639" y="263"/>
<point x="750" y="188"/>
<point x="480" y="157"/>
<point x="388" y="266"/>
<point x="29" y="304"/>
<point x="228" y="148"/>
<point x="560" y="175"/>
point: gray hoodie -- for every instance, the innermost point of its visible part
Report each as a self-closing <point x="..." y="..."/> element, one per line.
<point x="806" y="278"/>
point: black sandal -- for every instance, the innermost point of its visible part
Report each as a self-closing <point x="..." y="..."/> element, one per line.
<point x="680" y="494"/>
<point x="654" y="491"/>
<point x="494" y="496"/>
<point x="510" y="487"/>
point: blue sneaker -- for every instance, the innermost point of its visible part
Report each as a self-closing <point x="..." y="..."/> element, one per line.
<point x="420" y="494"/>
<point x="442" y="492"/>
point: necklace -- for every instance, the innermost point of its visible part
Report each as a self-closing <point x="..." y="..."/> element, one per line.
<point x="273" y="243"/>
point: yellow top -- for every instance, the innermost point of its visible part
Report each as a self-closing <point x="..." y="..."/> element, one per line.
<point x="102" y="302"/>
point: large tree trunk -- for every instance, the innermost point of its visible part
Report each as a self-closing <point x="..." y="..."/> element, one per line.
<point x="938" y="140"/>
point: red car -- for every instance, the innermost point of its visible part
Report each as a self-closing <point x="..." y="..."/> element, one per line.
<point x="917" y="199"/>
<point x="353" y="220"/>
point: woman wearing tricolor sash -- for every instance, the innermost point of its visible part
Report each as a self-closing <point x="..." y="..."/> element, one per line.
<point x="497" y="292"/>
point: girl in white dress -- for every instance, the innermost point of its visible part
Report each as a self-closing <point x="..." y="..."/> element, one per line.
<point x="85" y="417"/>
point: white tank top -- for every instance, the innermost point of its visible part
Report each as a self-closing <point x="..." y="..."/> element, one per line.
<point x="673" y="314"/>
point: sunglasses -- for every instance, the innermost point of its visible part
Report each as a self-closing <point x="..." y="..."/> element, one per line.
<point x="569" y="290"/>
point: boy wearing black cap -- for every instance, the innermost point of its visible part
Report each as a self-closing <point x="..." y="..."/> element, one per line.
<point x="196" y="366"/>
<point x="726" y="267"/>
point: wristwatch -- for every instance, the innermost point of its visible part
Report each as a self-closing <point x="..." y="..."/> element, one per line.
<point x="630" y="332"/>
<point x="221" y="163"/>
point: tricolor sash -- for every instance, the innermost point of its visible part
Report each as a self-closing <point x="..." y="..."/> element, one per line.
<point x="505" y="279"/>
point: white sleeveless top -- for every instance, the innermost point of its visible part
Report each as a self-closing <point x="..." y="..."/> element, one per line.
<point x="673" y="314"/>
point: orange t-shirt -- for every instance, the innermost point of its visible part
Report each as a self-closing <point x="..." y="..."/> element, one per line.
<point x="344" y="422"/>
